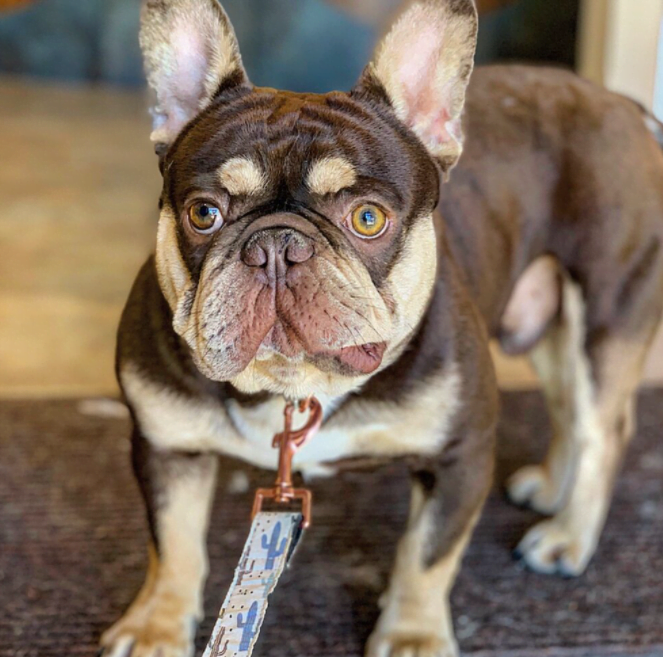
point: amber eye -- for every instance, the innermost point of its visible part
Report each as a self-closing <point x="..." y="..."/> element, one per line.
<point x="205" y="217"/>
<point x="368" y="221"/>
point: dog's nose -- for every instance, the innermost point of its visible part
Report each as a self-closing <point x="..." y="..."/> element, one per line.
<point x="277" y="249"/>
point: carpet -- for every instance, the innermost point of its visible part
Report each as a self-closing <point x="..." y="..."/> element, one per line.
<point x="73" y="537"/>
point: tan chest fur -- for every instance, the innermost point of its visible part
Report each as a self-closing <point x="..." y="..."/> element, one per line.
<point x="418" y="424"/>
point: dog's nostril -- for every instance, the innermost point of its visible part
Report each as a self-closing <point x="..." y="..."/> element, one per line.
<point x="254" y="255"/>
<point x="281" y="249"/>
<point x="296" y="252"/>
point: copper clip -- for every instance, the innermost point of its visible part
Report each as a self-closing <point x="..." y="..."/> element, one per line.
<point x="289" y="442"/>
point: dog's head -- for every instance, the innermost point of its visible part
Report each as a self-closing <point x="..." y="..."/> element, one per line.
<point x="296" y="245"/>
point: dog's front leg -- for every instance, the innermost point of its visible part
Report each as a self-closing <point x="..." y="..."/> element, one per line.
<point x="178" y="489"/>
<point x="447" y="497"/>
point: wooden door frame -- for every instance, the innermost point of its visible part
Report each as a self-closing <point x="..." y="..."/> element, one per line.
<point x="619" y="45"/>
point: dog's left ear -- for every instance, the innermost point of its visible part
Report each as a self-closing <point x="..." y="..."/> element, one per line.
<point x="422" y="68"/>
<point x="191" y="56"/>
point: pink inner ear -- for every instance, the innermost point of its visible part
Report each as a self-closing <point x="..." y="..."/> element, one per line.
<point x="418" y="59"/>
<point x="182" y="84"/>
<point x="426" y="104"/>
<point x="187" y="81"/>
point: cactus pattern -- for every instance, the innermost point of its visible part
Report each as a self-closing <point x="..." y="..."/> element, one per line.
<point x="272" y="551"/>
<point x="248" y="627"/>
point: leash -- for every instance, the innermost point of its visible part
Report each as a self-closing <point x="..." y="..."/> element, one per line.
<point x="271" y="543"/>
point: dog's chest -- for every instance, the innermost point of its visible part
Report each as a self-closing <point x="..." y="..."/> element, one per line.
<point x="257" y="425"/>
<point x="356" y="428"/>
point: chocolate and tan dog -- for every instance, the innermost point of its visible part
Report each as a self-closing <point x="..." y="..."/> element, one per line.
<point x="305" y="247"/>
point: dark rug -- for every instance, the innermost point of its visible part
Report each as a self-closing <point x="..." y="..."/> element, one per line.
<point x="73" y="535"/>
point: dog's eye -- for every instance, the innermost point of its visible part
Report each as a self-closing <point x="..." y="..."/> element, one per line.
<point x="368" y="221"/>
<point x="205" y="218"/>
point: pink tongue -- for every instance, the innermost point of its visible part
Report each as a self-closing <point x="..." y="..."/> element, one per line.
<point x="364" y="359"/>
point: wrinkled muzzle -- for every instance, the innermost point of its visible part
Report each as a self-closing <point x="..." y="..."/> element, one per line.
<point x="285" y="290"/>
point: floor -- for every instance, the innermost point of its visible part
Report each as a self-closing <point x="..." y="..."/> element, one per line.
<point x="73" y="555"/>
<point x="79" y="186"/>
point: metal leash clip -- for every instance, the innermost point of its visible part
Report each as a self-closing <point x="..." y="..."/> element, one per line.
<point x="289" y="442"/>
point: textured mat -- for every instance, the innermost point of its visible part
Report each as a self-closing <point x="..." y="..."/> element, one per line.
<point x="72" y="549"/>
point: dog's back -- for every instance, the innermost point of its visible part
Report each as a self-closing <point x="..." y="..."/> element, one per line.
<point x="554" y="164"/>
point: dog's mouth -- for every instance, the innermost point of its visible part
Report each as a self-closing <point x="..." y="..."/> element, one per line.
<point x="294" y="349"/>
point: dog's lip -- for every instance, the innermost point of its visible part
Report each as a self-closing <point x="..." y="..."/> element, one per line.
<point x="364" y="359"/>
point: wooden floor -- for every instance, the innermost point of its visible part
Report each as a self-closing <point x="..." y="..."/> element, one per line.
<point x="78" y="190"/>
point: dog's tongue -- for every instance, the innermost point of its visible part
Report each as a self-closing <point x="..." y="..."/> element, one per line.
<point x="365" y="358"/>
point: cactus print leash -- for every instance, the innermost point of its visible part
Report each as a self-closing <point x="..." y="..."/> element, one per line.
<point x="273" y="539"/>
<point x="271" y="543"/>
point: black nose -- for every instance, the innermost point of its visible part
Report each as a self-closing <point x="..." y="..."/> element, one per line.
<point x="277" y="249"/>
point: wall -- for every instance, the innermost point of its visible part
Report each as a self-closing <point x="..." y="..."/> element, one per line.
<point x="298" y="44"/>
<point x="301" y="45"/>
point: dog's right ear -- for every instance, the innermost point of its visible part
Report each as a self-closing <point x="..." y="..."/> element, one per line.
<point x="191" y="56"/>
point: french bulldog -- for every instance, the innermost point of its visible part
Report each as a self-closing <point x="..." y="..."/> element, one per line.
<point x="305" y="246"/>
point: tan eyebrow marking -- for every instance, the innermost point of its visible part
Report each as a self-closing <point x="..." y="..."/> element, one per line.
<point x="242" y="176"/>
<point x="330" y="175"/>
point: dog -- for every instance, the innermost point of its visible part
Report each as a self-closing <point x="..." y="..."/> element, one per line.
<point x="306" y="245"/>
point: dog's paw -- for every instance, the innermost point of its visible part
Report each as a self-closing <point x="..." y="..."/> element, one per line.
<point x="557" y="546"/>
<point x="532" y="486"/>
<point x="148" y="642"/>
<point x="157" y="632"/>
<point x="403" y="644"/>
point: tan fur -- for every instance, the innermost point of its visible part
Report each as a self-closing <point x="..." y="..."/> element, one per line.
<point x="170" y="421"/>
<point x="163" y="618"/>
<point x="174" y="278"/>
<point x="562" y="366"/>
<point x="330" y="175"/>
<point x="242" y="177"/>
<point x="591" y="427"/>
<point x="410" y="283"/>
<point x="416" y="618"/>
<point x="418" y="425"/>
<point x="424" y="64"/>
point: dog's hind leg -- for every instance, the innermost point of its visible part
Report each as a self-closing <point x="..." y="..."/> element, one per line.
<point x="557" y="359"/>
<point x="590" y="379"/>
<point x="178" y="489"/>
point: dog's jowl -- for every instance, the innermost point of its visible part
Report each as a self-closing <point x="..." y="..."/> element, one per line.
<point x="306" y="246"/>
